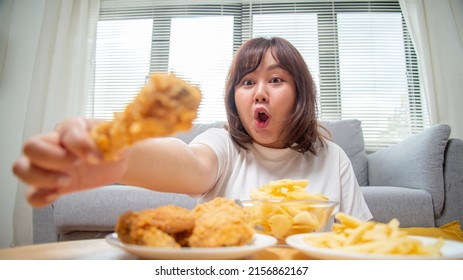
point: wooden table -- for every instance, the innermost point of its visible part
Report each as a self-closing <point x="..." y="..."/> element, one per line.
<point x="99" y="249"/>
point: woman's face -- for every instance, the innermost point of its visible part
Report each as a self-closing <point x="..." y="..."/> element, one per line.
<point x="265" y="99"/>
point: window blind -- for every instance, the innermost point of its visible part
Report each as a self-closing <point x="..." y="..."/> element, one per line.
<point x="360" y="54"/>
<point x="135" y="38"/>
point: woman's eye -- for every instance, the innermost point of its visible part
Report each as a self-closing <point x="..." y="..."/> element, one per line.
<point x="276" y="80"/>
<point x="247" y="83"/>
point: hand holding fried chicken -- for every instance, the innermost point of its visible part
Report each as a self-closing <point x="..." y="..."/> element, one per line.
<point x="63" y="161"/>
<point x="82" y="154"/>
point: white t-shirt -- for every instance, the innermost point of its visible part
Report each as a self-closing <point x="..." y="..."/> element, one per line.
<point x="240" y="171"/>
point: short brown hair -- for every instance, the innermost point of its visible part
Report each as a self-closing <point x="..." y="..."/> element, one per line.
<point x="301" y="133"/>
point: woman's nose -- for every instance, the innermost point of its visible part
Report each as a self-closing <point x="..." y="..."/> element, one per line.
<point x="261" y="94"/>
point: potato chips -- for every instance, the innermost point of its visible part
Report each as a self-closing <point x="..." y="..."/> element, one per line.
<point x="284" y="207"/>
<point x="353" y="235"/>
<point x="286" y="189"/>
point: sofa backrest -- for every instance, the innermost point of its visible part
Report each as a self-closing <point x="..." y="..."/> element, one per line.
<point x="197" y="129"/>
<point x="416" y="162"/>
<point x="347" y="134"/>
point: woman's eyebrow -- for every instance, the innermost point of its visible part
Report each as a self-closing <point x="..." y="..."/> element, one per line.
<point x="274" y="66"/>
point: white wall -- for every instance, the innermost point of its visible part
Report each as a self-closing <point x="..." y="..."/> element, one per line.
<point x="23" y="18"/>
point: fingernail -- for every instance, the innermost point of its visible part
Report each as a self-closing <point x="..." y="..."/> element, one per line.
<point x="63" y="181"/>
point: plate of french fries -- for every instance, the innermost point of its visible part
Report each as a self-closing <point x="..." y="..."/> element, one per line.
<point x="354" y="239"/>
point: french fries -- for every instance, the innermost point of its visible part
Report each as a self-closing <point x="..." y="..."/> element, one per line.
<point x="277" y="209"/>
<point x="353" y="235"/>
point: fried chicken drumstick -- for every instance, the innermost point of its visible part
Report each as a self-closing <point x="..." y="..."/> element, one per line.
<point x="164" y="106"/>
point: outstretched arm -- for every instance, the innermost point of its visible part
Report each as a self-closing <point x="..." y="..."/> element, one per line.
<point x="67" y="160"/>
<point x="170" y="165"/>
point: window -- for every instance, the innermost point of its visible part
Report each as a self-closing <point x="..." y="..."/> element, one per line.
<point x="122" y="59"/>
<point x="380" y="89"/>
<point x="360" y="54"/>
<point x="205" y="60"/>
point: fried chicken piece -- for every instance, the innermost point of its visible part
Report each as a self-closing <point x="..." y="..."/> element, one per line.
<point x="171" y="219"/>
<point x="219" y="203"/>
<point x="154" y="237"/>
<point x="221" y="222"/>
<point x="182" y="238"/>
<point x="164" y="106"/>
<point x="217" y="223"/>
<point x="160" y="227"/>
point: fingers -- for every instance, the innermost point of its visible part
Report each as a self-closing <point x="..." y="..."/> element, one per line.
<point x="48" y="158"/>
<point x="38" y="177"/>
<point x="41" y="198"/>
<point x="52" y="164"/>
<point x="45" y="151"/>
<point x="69" y="143"/>
<point x="75" y="139"/>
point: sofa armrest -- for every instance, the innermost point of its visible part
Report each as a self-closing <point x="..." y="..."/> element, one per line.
<point x="44" y="229"/>
<point x="416" y="162"/>
<point x="453" y="181"/>
<point x="413" y="208"/>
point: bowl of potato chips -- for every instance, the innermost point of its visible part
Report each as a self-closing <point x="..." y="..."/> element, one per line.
<point x="284" y="207"/>
<point x="282" y="218"/>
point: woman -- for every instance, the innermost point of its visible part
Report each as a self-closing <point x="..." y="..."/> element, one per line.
<point x="272" y="134"/>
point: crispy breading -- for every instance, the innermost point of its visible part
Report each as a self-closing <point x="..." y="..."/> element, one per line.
<point x="171" y="218"/>
<point x="164" y="106"/>
<point x="221" y="222"/>
<point x="220" y="229"/>
<point x="158" y="227"/>
<point x="154" y="237"/>
<point x="216" y="204"/>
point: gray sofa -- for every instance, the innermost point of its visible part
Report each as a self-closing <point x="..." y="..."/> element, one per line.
<point x="419" y="181"/>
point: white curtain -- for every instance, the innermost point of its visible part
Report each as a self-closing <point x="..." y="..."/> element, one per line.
<point x="61" y="76"/>
<point x="437" y="31"/>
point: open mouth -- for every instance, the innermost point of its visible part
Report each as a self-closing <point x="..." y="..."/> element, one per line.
<point x="262" y="118"/>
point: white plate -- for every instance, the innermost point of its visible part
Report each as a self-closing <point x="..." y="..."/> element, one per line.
<point x="450" y="250"/>
<point x="258" y="243"/>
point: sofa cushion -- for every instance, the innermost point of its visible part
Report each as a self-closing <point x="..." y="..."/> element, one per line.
<point x="416" y="162"/>
<point x="348" y="134"/>
<point x="98" y="209"/>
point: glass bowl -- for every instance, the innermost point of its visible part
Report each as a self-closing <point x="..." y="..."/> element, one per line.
<point x="282" y="218"/>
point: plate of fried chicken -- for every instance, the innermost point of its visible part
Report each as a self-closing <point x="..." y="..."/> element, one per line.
<point x="218" y="229"/>
<point x="257" y="243"/>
